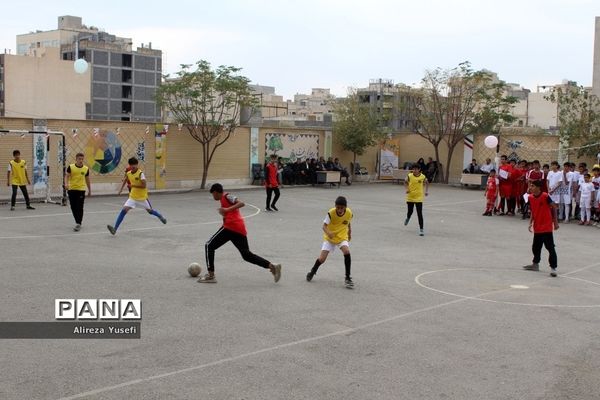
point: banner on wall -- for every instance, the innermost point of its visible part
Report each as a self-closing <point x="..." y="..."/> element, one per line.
<point x="389" y="154"/>
<point x="39" y="165"/>
<point x="253" y="148"/>
<point x="160" y="137"/>
<point x="292" y="146"/>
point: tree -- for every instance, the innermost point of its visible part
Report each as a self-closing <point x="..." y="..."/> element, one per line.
<point x="578" y="118"/>
<point x="357" y="126"/>
<point x="454" y="103"/>
<point x="207" y="102"/>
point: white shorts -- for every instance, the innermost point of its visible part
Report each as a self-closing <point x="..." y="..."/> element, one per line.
<point x="138" y="203"/>
<point x="586" y="202"/>
<point x="330" y="247"/>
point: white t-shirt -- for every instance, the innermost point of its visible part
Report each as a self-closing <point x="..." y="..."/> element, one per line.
<point x="586" y="189"/>
<point x="554" y="181"/>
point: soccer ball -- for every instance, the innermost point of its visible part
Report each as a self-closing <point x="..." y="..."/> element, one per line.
<point x="194" y="269"/>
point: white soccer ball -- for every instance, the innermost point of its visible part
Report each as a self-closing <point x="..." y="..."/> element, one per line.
<point x="194" y="269"/>
<point x="491" y="142"/>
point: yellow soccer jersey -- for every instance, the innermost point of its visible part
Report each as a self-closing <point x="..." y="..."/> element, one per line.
<point x="337" y="225"/>
<point x="415" y="188"/>
<point x="17" y="172"/>
<point x="77" y="177"/>
<point x="137" y="193"/>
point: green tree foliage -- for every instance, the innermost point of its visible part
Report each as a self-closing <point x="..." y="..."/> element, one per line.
<point x="357" y="126"/>
<point x="207" y="102"/>
<point x="578" y="118"/>
<point x="453" y="103"/>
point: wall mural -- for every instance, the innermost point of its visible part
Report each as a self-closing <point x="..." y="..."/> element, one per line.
<point x="292" y="146"/>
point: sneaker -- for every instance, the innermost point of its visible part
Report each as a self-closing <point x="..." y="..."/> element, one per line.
<point x="406" y="222"/>
<point x="30" y="208"/>
<point x="276" y="271"/>
<point x="309" y="276"/>
<point x="77" y="228"/>
<point x="111" y="229"/>
<point x="532" y="267"/>
<point x="274" y="208"/>
<point x="208" y="278"/>
<point x="162" y="219"/>
<point x="268" y="209"/>
<point x="12" y="208"/>
<point x="421" y="232"/>
<point x="349" y="284"/>
<point x="553" y="272"/>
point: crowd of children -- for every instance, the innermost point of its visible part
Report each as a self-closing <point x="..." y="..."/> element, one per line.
<point x="574" y="188"/>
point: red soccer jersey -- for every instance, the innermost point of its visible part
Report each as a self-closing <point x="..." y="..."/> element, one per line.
<point x="271" y="178"/>
<point x="505" y="184"/>
<point x="232" y="220"/>
<point x="541" y="213"/>
<point x="490" y="191"/>
<point x="534" y="175"/>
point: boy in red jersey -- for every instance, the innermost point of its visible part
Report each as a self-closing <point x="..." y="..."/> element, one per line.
<point x="272" y="183"/>
<point x="491" y="193"/>
<point x="542" y="223"/>
<point x="534" y="174"/>
<point x="505" y="186"/>
<point x="234" y="230"/>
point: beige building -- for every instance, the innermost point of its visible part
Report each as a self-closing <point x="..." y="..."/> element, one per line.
<point x="42" y="87"/>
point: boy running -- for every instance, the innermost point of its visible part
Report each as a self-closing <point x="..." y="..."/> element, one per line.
<point x="17" y="177"/>
<point x="234" y="230"/>
<point x="414" y="183"/>
<point x="137" y="197"/>
<point x="77" y="180"/>
<point x="542" y="223"/>
<point x="337" y="232"/>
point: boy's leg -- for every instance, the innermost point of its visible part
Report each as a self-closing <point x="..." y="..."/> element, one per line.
<point x="420" y="214"/>
<point x="120" y="217"/>
<point x="25" y="195"/>
<point x="269" y="192"/>
<point x="552" y="258"/>
<point x="154" y="212"/>
<point x="347" y="260"/>
<point x="320" y="260"/>
<point x="536" y="247"/>
<point x="409" y="211"/>
<point x="13" y="198"/>
<point x="72" y="203"/>
<point x="241" y="243"/>
<point x="217" y="240"/>
<point x="276" y="191"/>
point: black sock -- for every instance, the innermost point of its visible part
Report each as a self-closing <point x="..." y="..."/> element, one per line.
<point x="347" y="261"/>
<point x="316" y="266"/>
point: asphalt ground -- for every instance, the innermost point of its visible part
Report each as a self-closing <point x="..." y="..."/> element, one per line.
<point x="450" y="315"/>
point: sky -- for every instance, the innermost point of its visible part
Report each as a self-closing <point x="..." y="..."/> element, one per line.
<point x="298" y="45"/>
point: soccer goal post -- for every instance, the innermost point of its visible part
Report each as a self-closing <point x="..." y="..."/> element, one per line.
<point x="44" y="153"/>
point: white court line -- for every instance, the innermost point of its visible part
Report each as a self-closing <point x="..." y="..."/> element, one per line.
<point x="269" y="349"/>
<point x="54" y="215"/>
<point x="127" y="230"/>
<point x="479" y="297"/>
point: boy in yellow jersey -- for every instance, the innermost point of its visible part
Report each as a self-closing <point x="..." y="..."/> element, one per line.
<point x="77" y="181"/>
<point x="17" y="178"/>
<point x="337" y="233"/>
<point x="138" y="196"/>
<point x="414" y="183"/>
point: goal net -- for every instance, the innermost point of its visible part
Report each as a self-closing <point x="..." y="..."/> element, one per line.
<point x="44" y="153"/>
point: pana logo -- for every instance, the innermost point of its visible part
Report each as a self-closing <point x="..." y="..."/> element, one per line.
<point x="98" y="309"/>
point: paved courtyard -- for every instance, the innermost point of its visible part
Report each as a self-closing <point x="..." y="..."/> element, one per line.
<point x="450" y="315"/>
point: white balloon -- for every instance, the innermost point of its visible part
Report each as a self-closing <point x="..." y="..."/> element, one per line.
<point x="491" y="142"/>
<point x="80" y="66"/>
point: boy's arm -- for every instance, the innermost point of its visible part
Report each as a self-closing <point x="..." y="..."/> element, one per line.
<point x="349" y="232"/>
<point x="426" y="183"/>
<point x="553" y="208"/>
<point x="66" y="180"/>
<point x="122" y="183"/>
<point x="8" y="177"/>
<point x="327" y="231"/>
<point x="27" y="177"/>
<point x="235" y="206"/>
<point x="88" y="183"/>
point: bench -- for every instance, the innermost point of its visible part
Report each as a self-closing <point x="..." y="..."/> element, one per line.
<point x="400" y="174"/>
<point x="474" y="179"/>
<point x="332" y="177"/>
